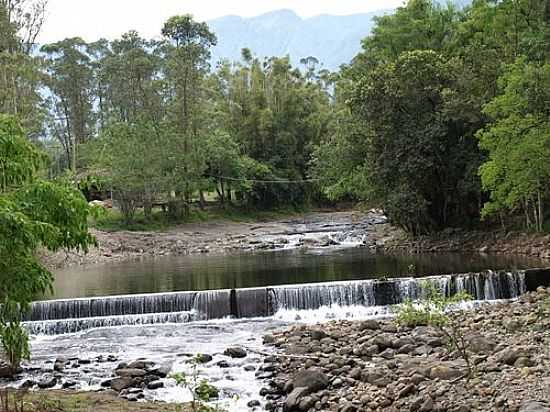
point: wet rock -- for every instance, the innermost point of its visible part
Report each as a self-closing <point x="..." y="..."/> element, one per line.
<point x="140" y="364"/>
<point x="130" y="373"/>
<point x="47" y="382"/>
<point x="5" y="370"/>
<point x="223" y="364"/>
<point x="69" y="384"/>
<point x="203" y="358"/>
<point x="161" y="371"/>
<point x="155" y="385"/>
<point x="59" y="364"/>
<point x="235" y="352"/>
<point x="119" y="384"/>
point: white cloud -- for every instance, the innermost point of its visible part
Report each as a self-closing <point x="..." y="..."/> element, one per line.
<point x="93" y="19"/>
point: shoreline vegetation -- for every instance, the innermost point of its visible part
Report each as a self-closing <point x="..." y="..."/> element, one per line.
<point x="71" y="401"/>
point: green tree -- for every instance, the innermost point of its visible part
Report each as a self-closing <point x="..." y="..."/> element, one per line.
<point x="186" y="56"/>
<point x="33" y="214"/>
<point x="518" y="143"/>
<point x="131" y="158"/>
<point x="419" y="154"/>
<point x="70" y="79"/>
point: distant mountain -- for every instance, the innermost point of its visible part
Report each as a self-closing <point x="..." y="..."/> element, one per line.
<point x="333" y="40"/>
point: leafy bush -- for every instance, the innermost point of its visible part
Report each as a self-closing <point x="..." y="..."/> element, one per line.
<point x="433" y="311"/>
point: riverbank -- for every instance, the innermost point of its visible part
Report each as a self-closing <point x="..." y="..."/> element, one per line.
<point x="456" y="240"/>
<point x="221" y="237"/>
<point x="377" y="366"/>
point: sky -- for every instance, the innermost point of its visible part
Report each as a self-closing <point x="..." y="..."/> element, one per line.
<point x="94" y="19"/>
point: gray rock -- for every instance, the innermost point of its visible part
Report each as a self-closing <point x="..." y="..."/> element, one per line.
<point x="47" y="382"/>
<point x="407" y="390"/>
<point x="312" y="379"/>
<point x="369" y="324"/>
<point x="235" y="352"/>
<point x="534" y="406"/>
<point x="305" y="403"/>
<point x="155" y="385"/>
<point x="480" y="344"/>
<point x="161" y="371"/>
<point x="59" y="364"/>
<point x="510" y="355"/>
<point x="293" y="400"/>
<point x="318" y="334"/>
<point x="140" y="364"/>
<point x="5" y="370"/>
<point x="444" y="372"/>
<point x="223" y="364"/>
<point x="203" y="358"/>
<point x="383" y="341"/>
<point x="119" y="384"/>
<point x="130" y="373"/>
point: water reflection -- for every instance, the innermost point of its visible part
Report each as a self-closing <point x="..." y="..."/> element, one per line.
<point x="262" y="269"/>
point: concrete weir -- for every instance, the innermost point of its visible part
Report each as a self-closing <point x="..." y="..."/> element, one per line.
<point x="74" y="315"/>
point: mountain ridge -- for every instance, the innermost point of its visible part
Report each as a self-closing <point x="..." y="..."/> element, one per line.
<point x="334" y="40"/>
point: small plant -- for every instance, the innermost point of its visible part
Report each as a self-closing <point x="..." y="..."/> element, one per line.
<point x="15" y="340"/>
<point x="202" y="391"/>
<point x="433" y="311"/>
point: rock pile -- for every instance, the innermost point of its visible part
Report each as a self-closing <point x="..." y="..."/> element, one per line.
<point x="132" y="378"/>
<point x="379" y="366"/>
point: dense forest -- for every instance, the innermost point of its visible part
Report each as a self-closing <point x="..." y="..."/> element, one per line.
<point x="442" y="120"/>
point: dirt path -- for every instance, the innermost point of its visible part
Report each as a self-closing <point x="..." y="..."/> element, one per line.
<point x="220" y="237"/>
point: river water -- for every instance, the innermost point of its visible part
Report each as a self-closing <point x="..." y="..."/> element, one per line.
<point x="332" y="282"/>
<point x="283" y="267"/>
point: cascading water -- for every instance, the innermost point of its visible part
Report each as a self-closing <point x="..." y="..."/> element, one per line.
<point x="68" y="316"/>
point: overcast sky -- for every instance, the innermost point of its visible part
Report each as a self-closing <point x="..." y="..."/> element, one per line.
<point x="93" y="19"/>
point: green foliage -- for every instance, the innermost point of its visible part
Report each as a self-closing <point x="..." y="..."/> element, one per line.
<point x="202" y="391"/>
<point x="33" y="214"/>
<point x="205" y="391"/>
<point x="433" y="310"/>
<point x="518" y="143"/>
<point x="428" y="80"/>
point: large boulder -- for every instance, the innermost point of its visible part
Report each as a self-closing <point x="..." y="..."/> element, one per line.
<point x="312" y="379"/>
<point x="131" y="373"/>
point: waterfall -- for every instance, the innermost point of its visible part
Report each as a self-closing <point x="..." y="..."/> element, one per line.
<point x="74" y="315"/>
<point x="58" y="327"/>
<point x="481" y="286"/>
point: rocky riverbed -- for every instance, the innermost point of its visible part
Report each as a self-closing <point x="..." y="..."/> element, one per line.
<point x="375" y="365"/>
<point x="312" y="230"/>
